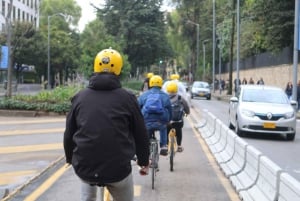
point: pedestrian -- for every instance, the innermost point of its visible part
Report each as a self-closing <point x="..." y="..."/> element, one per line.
<point x="244" y="81"/>
<point x="298" y="94"/>
<point x="289" y="90"/>
<point x="260" y="81"/>
<point x="237" y="82"/>
<point x="104" y="131"/>
<point x="251" y="81"/>
<point x="156" y="109"/>
<point x="179" y="108"/>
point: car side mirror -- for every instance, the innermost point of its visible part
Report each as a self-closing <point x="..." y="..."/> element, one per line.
<point x="234" y="99"/>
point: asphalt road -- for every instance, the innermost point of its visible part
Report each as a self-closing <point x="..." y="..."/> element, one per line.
<point x="196" y="175"/>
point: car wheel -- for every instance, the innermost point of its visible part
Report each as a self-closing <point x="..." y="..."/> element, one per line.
<point x="208" y="98"/>
<point x="290" y="137"/>
<point x="230" y="125"/>
<point x="192" y="96"/>
<point x="238" y="130"/>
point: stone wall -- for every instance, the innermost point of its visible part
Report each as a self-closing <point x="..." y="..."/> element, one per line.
<point x="273" y="75"/>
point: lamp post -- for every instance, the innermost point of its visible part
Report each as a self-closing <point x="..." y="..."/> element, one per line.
<point x="197" y="42"/>
<point x="48" y="67"/>
<point x="214" y="43"/>
<point x="203" y="45"/>
<point x="238" y="43"/>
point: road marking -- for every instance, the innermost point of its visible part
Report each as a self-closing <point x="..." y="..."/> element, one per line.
<point x="30" y="132"/>
<point x="30" y="148"/>
<point x="224" y="180"/>
<point x="36" y="121"/>
<point x="12" y="177"/>
<point x="53" y="178"/>
<point x="47" y="184"/>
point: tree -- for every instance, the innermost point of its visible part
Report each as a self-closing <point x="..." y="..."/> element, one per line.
<point x="93" y="39"/>
<point x="64" y="43"/>
<point x="141" y="28"/>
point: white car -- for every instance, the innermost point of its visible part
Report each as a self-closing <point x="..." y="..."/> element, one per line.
<point x="201" y="89"/>
<point x="262" y="109"/>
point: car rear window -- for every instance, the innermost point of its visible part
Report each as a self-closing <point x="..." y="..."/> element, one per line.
<point x="264" y="96"/>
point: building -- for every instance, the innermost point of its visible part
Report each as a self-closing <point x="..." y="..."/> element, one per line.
<point x="22" y="10"/>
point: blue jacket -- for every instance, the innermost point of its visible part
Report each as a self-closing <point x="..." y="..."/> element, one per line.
<point x="167" y="115"/>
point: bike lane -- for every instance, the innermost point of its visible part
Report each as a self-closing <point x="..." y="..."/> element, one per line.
<point x="196" y="176"/>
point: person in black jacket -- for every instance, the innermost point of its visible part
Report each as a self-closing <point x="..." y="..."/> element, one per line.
<point x="104" y="131"/>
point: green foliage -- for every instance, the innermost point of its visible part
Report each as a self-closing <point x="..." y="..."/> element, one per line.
<point x="141" y="26"/>
<point x="57" y="100"/>
<point x="133" y="85"/>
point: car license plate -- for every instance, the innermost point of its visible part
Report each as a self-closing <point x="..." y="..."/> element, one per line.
<point x="201" y="94"/>
<point x="269" y="125"/>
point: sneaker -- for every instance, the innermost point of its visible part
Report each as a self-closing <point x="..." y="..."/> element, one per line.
<point x="180" y="149"/>
<point x="164" y="151"/>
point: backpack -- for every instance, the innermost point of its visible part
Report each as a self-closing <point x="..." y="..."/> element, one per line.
<point x="153" y="104"/>
<point x="177" y="110"/>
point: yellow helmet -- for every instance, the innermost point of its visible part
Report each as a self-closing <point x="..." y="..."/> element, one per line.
<point x="108" y="60"/>
<point x="149" y="75"/>
<point x="174" y="77"/>
<point x="155" y="81"/>
<point x="172" y="87"/>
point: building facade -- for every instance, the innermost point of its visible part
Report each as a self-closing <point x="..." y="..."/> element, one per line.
<point x="22" y="10"/>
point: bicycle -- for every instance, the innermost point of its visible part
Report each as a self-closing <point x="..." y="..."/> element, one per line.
<point x="172" y="147"/>
<point x="105" y="195"/>
<point x="154" y="157"/>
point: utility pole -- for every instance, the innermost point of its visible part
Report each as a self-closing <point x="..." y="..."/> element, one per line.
<point x="8" y="41"/>
<point x="296" y="48"/>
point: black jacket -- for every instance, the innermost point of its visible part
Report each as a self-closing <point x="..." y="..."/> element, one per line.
<point x="104" y="130"/>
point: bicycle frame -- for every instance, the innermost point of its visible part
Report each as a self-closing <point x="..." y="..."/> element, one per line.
<point x="172" y="147"/>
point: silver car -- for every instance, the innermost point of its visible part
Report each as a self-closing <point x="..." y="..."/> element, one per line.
<point x="262" y="109"/>
<point x="200" y="89"/>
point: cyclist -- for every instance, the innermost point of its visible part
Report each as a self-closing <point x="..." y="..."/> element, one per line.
<point x="104" y="130"/>
<point x="181" y="88"/>
<point x="145" y="85"/>
<point x="158" y="115"/>
<point x="179" y="108"/>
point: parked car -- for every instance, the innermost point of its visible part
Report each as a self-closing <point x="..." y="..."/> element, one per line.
<point x="262" y="109"/>
<point x="200" y="89"/>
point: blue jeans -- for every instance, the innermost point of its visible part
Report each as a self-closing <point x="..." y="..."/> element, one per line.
<point x="162" y="128"/>
<point x="120" y="191"/>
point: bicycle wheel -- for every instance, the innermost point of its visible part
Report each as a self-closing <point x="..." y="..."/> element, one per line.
<point x="172" y="153"/>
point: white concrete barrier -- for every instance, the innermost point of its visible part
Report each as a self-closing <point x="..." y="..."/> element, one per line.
<point x="221" y="144"/>
<point x="267" y="186"/>
<point x="289" y="188"/>
<point x="238" y="161"/>
<point x="254" y="176"/>
<point x="227" y="154"/>
<point x="209" y="129"/>
<point x="217" y="134"/>
<point x="248" y="177"/>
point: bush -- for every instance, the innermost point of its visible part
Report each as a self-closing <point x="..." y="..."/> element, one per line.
<point x="57" y="100"/>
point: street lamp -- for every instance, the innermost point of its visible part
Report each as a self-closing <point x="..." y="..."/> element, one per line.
<point x="197" y="56"/>
<point x="238" y="43"/>
<point x="48" y="69"/>
<point x="203" y="45"/>
<point x="214" y="42"/>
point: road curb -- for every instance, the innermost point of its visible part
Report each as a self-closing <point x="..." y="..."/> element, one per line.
<point x="17" y="190"/>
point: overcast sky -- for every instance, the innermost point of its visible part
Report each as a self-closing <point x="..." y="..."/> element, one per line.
<point x="88" y="14"/>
